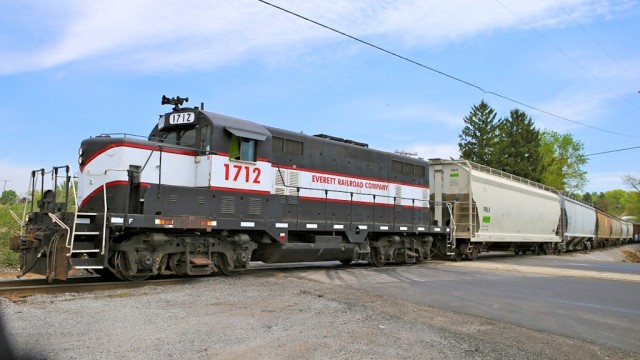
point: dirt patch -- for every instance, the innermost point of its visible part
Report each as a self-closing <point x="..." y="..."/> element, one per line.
<point x="632" y="255"/>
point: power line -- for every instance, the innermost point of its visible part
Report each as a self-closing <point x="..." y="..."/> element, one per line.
<point x="558" y="49"/>
<point x="442" y="72"/>
<point x="592" y="39"/>
<point x="612" y="151"/>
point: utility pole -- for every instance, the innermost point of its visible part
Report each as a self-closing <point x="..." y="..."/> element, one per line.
<point x="4" y="186"/>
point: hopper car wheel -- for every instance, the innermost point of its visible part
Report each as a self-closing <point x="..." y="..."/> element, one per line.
<point x="516" y="251"/>
<point x="460" y="252"/>
<point x="376" y="258"/>
<point x="124" y="270"/>
<point x="457" y="256"/>
<point x="474" y="253"/>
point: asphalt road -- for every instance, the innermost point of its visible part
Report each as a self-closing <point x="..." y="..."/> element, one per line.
<point x="562" y="296"/>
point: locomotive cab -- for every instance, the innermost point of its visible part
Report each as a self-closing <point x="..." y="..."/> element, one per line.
<point x="186" y="128"/>
<point x="211" y="133"/>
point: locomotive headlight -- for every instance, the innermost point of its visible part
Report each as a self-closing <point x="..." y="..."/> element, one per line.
<point x="80" y="157"/>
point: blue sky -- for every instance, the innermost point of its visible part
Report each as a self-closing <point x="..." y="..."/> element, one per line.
<point x="74" y="69"/>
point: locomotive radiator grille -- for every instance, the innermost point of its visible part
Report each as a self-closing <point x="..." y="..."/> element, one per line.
<point x="228" y="205"/>
<point x="255" y="206"/>
<point x="289" y="188"/>
<point x="294" y="182"/>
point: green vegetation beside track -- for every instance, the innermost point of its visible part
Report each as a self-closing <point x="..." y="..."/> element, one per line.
<point x="8" y="227"/>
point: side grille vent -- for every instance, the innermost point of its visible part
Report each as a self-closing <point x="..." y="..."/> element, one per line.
<point x="255" y="206"/>
<point x="228" y="205"/>
<point x="173" y="198"/>
<point x="200" y="200"/>
<point x="286" y="183"/>
<point x="294" y="182"/>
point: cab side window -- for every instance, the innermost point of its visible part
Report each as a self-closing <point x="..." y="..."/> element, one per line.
<point x="242" y="149"/>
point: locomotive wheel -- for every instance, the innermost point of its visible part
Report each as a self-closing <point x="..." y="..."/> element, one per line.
<point x="375" y="258"/>
<point x="124" y="270"/>
<point x="419" y="258"/>
<point x="223" y="265"/>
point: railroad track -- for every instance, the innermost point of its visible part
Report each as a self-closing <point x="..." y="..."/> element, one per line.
<point x="16" y="289"/>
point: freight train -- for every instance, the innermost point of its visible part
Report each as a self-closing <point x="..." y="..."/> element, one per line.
<point x="207" y="193"/>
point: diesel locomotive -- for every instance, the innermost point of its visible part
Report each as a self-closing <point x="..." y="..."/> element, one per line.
<point x="206" y="193"/>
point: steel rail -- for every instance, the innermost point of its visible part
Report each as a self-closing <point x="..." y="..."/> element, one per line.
<point x="15" y="289"/>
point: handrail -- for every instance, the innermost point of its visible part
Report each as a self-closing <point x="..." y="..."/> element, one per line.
<point x="506" y="175"/>
<point x="489" y="170"/>
<point x="61" y="224"/>
<point x="75" y="217"/>
<point x="16" y="218"/>
<point x="104" y="202"/>
<point x="284" y="184"/>
<point x="104" y="220"/>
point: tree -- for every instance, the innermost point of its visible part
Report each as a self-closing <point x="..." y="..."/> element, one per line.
<point x="8" y="197"/>
<point x="632" y="181"/>
<point x="588" y="198"/>
<point x="518" y="146"/>
<point x="478" y="137"/>
<point x="562" y="159"/>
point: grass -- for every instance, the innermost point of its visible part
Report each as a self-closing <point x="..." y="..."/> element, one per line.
<point x="8" y="227"/>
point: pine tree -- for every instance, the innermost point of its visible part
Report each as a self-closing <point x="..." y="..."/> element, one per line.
<point x="518" y="146"/>
<point x="478" y="137"/>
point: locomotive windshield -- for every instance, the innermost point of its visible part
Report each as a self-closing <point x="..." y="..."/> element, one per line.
<point x="181" y="136"/>
<point x="182" y="129"/>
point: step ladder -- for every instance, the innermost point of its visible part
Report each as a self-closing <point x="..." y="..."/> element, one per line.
<point x="87" y="241"/>
<point x="91" y="230"/>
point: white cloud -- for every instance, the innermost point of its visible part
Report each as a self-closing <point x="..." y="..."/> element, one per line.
<point x="17" y="176"/>
<point x="153" y="36"/>
<point x="435" y="151"/>
<point x="600" y="182"/>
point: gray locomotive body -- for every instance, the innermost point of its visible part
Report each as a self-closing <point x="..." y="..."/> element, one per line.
<point x="208" y="193"/>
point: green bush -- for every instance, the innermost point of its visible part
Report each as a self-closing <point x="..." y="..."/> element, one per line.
<point x="8" y="227"/>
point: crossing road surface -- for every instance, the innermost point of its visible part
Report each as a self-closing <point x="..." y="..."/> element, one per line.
<point x="586" y="300"/>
